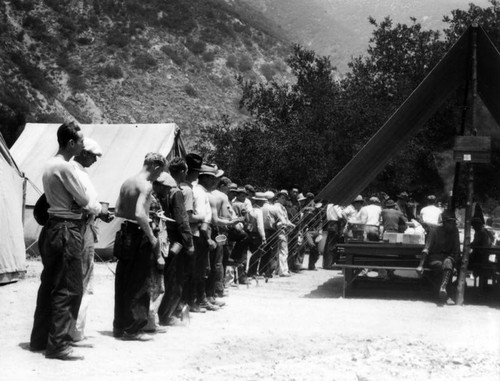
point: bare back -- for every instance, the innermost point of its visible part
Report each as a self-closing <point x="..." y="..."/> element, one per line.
<point x="135" y="196"/>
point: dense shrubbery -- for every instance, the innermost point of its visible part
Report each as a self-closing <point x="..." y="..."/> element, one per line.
<point x="112" y="71"/>
<point x="23" y="5"/>
<point x="173" y="54"/>
<point x="34" y="75"/>
<point x="268" y="71"/>
<point x="245" y="63"/>
<point x="209" y="56"/>
<point x="145" y="61"/>
<point x="232" y="61"/>
<point x="190" y="90"/>
<point x="196" y="47"/>
<point x="77" y="83"/>
<point x="118" y="38"/>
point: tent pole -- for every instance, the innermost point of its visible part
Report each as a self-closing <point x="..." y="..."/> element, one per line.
<point x="470" y="180"/>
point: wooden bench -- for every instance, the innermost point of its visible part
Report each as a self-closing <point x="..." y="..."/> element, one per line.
<point x="356" y="256"/>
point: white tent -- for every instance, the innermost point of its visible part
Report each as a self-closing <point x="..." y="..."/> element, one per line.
<point x="12" y="249"/>
<point x="124" y="147"/>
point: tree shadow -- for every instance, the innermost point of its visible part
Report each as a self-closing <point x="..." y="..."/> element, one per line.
<point x="332" y="288"/>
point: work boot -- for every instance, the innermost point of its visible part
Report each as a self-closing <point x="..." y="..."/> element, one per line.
<point x="443" y="294"/>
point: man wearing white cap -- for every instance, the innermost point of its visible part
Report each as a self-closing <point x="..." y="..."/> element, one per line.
<point x="88" y="156"/>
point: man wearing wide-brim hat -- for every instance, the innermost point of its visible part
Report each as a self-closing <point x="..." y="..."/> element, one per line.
<point x="392" y="219"/>
<point x="257" y="232"/>
<point x="284" y="225"/>
<point x="442" y="253"/>
<point x="207" y="181"/>
<point x="402" y="205"/>
<point x="269" y="261"/>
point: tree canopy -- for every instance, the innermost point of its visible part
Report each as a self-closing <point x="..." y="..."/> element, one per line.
<point x="303" y="133"/>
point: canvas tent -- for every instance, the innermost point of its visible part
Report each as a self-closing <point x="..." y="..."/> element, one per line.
<point x="124" y="147"/>
<point x="12" y="249"/>
<point x="453" y="70"/>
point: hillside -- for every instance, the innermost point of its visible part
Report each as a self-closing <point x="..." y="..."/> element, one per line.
<point x="131" y="61"/>
<point x="340" y="28"/>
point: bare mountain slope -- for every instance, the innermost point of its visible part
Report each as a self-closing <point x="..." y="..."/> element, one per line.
<point x="340" y="28"/>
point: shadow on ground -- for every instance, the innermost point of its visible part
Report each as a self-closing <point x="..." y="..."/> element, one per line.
<point x="401" y="288"/>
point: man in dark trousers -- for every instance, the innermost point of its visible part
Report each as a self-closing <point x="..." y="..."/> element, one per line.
<point x="442" y="252"/>
<point x="61" y="246"/>
<point x="136" y="248"/>
<point x="179" y="234"/>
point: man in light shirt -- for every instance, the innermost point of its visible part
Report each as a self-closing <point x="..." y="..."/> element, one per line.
<point x="61" y="245"/>
<point x="203" y="240"/>
<point x="430" y="215"/>
<point x="284" y="226"/>
<point x="335" y="225"/>
<point x="91" y="211"/>
<point x="369" y="216"/>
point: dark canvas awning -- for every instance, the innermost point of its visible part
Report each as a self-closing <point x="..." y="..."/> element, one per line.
<point x="445" y="77"/>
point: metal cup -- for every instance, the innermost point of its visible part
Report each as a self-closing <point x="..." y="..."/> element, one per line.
<point x="105" y="207"/>
<point x="176" y="248"/>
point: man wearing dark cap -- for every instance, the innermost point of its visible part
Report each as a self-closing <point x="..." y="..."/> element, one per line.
<point x="402" y="204"/>
<point x="179" y="233"/>
<point x="194" y="284"/>
<point x="442" y="252"/>
<point x="250" y="193"/>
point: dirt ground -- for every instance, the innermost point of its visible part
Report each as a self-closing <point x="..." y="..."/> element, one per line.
<point x="297" y="328"/>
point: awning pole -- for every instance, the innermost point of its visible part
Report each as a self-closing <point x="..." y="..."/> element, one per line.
<point x="470" y="180"/>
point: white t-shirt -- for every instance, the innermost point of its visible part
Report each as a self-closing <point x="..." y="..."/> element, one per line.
<point x="431" y="214"/>
<point x="65" y="192"/>
<point x="370" y="214"/>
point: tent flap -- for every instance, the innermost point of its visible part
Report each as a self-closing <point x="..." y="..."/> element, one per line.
<point x="12" y="249"/>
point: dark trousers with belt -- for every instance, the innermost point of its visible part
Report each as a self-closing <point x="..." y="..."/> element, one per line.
<point x="310" y="242"/>
<point x="199" y="269"/>
<point x="269" y="260"/>
<point x="174" y="277"/>
<point x="132" y="281"/>
<point x="330" y="255"/>
<point x="61" y="288"/>
<point x="215" y="280"/>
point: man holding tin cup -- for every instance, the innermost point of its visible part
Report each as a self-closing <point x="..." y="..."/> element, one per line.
<point x="93" y="210"/>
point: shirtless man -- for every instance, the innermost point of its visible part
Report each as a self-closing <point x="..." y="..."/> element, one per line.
<point x="225" y="219"/>
<point x="136" y="249"/>
<point x="221" y="221"/>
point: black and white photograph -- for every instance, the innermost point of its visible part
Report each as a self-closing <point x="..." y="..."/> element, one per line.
<point x="251" y="190"/>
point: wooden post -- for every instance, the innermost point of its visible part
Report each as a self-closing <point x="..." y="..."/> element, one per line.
<point x="470" y="181"/>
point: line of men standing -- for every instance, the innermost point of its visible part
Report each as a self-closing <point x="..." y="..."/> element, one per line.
<point x="172" y="246"/>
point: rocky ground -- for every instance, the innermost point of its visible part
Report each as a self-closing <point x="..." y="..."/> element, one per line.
<point x="297" y="328"/>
